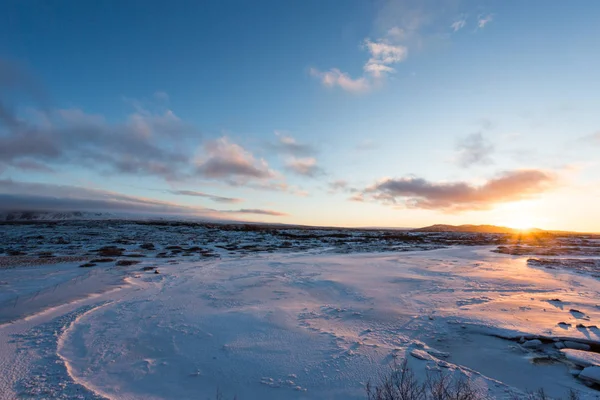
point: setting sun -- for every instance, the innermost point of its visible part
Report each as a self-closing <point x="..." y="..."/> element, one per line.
<point x="522" y="224"/>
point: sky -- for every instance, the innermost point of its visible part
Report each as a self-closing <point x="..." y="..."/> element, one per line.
<point x="386" y="113"/>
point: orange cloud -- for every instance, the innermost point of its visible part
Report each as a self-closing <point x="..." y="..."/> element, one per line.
<point x="461" y="196"/>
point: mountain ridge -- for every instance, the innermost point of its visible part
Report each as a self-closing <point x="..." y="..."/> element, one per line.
<point x="468" y="228"/>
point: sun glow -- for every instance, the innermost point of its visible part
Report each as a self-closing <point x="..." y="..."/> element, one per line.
<point x="522" y="224"/>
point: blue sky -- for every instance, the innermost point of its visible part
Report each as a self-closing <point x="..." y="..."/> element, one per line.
<point x="352" y="113"/>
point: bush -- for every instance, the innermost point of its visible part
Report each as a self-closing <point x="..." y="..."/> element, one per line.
<point x="402" y="384"/>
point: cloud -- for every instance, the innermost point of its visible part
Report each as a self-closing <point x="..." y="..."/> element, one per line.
<point x="335" y="77"/>
<point x="338" y="185"/>
<point x="483" y="20"/>
<point x="304" y="166"/>
<point x="288" y="145"/>
<point x="460" y="196"/>
<point x="383" y="54"/>
<point x="161" y="96"/>
<point x="223" y="159"/>
<point x="299" y="157"/>
<point x="27" y="196"/>
<point x="594" y="138"/>
<point x="151" y="141"/>
<point x="396" y="33"/>
<point x="257" y="211"/>
<point x="31" y="165"/>
<point x="145" y="144"/>
<point x="458" y="24"/>
<point x="474" y="149"/>
<point x="357" y="197"/>
<point x="218" y="199"/>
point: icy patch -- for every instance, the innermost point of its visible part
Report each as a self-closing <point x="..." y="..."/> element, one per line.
<point x="582" y="358"/>
<point x="591" y="374"/>
<point x="49" y="377"/>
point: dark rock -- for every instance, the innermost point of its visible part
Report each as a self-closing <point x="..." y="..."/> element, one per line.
<point x="110" y="251"/>
<point x="87" y="265"/>
<point x="126" y="263"/>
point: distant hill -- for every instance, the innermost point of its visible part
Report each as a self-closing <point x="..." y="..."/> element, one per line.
<point x="469" y="228"/>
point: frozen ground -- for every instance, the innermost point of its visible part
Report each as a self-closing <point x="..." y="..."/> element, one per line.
<point x="265" y="315"/>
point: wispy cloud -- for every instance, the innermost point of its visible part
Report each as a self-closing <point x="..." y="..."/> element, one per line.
<point x="23" y="196"/>
<point x="458" y="24"/>
<point x="30" y="196"/>
<point x="483" y="20"/>
<point x="299" y="158"/>
<point x="357" y="197"/>
<point x="474" y="149"/>
<point x="193" y="193"/>
<point x="594" y="138"/>
<point x="306" y="166"/>
<point x="32" y="165"/>
<point x="335" y="77"/>
<point x="161" y="96"/>
<point x="416" y="192"/>
<point x="338" y="185"/>
<point x="257" y="211"/>
<point x="287" y="144"/>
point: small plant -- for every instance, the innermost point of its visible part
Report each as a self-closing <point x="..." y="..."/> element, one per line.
<point x="402" y="384"/>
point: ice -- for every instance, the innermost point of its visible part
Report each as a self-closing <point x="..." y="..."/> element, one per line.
<point x="582" y="358"/>
<point x="590" y="374"/>
<point x="576" y="345"/>
<point x="533" y="344"/>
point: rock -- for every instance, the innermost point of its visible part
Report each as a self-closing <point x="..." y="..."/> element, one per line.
<point x="421" y="355"/>
<point x="126" y="263"/>
<point x="102" y="260"/>
<point x="590" y="374"/>
<point x="437" y="353"/>
<point x="582" y="358"/>
<point x="576" y="345"/>
<point x="559" y="345"/>
<point x="87" y="265"/>
<point x="110" y="251"/>
<point x="533" y="344"/>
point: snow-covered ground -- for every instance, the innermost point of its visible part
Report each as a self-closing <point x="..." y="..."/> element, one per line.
<point x="305" y="324"/>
